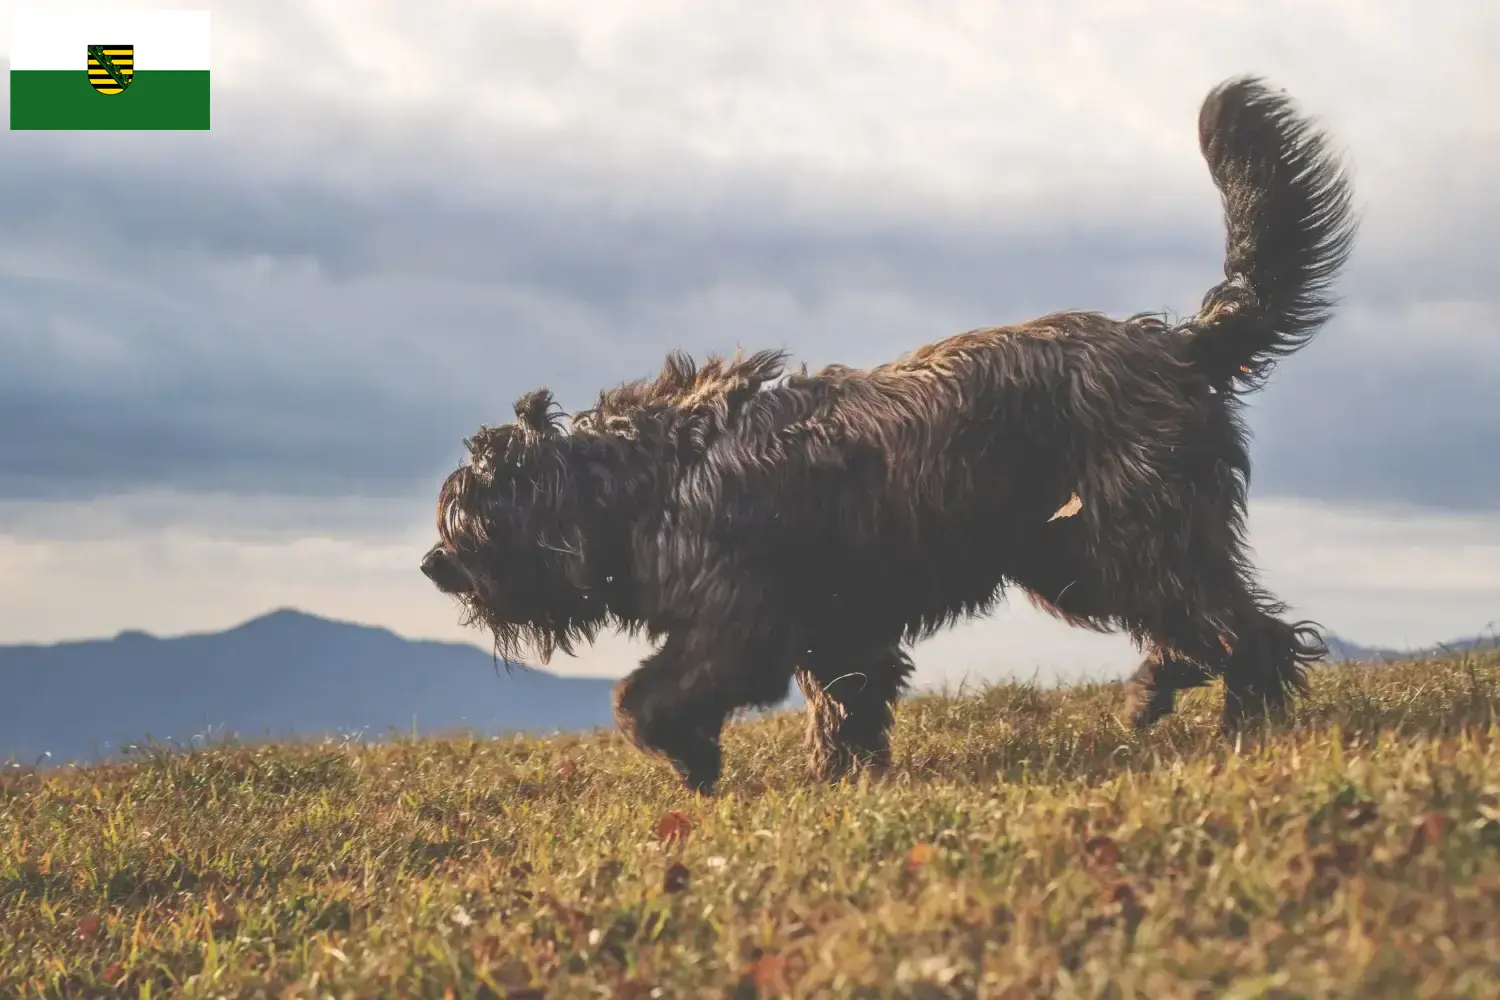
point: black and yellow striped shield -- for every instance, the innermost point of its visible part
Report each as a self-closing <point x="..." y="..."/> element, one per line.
<point x="111" y="67"/>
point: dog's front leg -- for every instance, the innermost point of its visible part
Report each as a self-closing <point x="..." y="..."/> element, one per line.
<point x="675" y="704"/>
<point x="654" y="709"/>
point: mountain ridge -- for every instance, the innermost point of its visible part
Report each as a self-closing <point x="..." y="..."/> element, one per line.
<point x="288" y="673"/>
<point x="283" y="673"/>
<point x="1340" y="649"/>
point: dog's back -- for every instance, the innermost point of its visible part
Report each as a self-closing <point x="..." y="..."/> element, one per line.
<point x="1002" y="426"/>
<point x="914" y="489"/>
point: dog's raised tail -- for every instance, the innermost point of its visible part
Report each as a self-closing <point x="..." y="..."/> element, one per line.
<point x="1287" y="209"/>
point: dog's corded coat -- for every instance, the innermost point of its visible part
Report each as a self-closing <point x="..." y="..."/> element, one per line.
<point x="762" y="526"/>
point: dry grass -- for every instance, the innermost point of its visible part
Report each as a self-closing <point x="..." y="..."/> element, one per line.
<point x="1026" y="846"/>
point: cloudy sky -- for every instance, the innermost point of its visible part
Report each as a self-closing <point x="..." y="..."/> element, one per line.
<point x="235" y="365"/>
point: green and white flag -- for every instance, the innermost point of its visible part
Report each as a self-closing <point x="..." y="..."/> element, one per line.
<point x="106" y="68"/>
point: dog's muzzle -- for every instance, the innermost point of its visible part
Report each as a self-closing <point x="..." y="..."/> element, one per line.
<point x="439" y="566"/>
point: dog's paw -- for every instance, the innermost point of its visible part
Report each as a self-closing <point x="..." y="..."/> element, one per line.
<point x="1145" y="706"/>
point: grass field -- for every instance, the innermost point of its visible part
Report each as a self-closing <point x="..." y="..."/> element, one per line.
<point x="1025" y="846"/>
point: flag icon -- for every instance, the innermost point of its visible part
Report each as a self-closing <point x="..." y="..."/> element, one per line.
<point x="82" y="70"/>
<point x="111" y="67"/>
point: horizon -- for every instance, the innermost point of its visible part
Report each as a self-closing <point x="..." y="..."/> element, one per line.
<point x="243" y="359"/>
<point x="294" y="612"/>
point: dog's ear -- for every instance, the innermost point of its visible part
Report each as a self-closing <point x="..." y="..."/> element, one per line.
<point x="535" y="412"/>
<point x="493" y="448"/>
<point x="490" y="447"/>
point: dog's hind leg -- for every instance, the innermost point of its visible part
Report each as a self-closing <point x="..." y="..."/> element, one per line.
<point x="851" y="699"/>
<point x="1193" y="602"/>
<point x="1215" y="622"/>
<point x="1151" y="692"/>
<point x="1067" y="590"/>
<point x="1206" y="607"/>
<point x="1267" y="667"/>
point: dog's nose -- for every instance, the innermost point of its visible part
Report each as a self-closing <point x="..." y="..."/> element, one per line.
<point x="443" y="568"/>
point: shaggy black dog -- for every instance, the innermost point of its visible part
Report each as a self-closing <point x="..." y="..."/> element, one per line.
<point x="760" y="527"/>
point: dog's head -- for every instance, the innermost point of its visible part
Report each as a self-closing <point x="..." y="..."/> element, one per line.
<point x="534" y="529"/>
<point x="523" y="531"/>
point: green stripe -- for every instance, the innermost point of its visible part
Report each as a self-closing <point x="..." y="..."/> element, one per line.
<point x="63" y="99"/>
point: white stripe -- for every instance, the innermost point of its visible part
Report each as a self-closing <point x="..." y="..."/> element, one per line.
<point x="44" y="38"/>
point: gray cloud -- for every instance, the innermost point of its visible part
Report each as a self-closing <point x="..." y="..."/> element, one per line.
<point x="1420" y="429"/>
<point x="204" y="332"/>
<point x="196" y="329"/>
<point x="322" y="296"/>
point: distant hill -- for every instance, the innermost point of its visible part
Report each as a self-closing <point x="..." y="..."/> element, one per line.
<point x="283" y="674"/>
<point x="290" y="674"/>
<point x="1342" y="649"/>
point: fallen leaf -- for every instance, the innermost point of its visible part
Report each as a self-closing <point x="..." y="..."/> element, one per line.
<point x="1489" y="832"/>
<point x="631" y="989"/>
<point x="1328" y="867"/>
<point x="921" y="853"/>
<point x="223" y="917"/>
<point x="1124" y="894"/>
<point x="1125" y="897"/>
<point x="1361" y="814"/>
<point x="1103" y="851"/>
<point x="1430" y="829"/>
<point x="673" y="826"/>
<point x="577" y="922"/>
<point x="1346" y="857"/>
<point x="608" y="870"/>
<point x="768" y="973"/>
<point x="677" y="877"/>
<point x="488" y="949"/>
<point x="1073" y="506"/>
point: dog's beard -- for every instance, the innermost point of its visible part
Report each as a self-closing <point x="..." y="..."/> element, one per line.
<point x="520" y="642"/>
<point x="537" y="626"/>
<point x="531" y="605"/>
